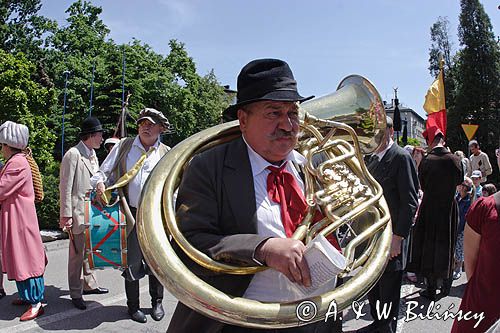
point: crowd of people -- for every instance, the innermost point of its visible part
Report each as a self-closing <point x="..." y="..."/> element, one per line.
<point x="242" y="200"/>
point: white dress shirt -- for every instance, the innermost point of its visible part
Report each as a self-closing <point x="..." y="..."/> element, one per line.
<point x="381" y="155"/>
<point x="136" y="184"/>
<point x="265" y="286"/>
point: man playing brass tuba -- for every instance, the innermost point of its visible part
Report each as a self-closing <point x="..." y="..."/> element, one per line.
<point x="240" y="201"/>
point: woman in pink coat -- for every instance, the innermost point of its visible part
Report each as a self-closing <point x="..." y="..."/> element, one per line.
<point x="23" y="256"/>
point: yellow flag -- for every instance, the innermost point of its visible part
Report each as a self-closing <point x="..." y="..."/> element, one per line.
<point x="434" y="100"/>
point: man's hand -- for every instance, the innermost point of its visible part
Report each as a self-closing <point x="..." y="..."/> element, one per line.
<point x="286" y="256"/>
<point x="395" y="246"/>
<point x="100" y="188"/>
<point x="65" y="223"/>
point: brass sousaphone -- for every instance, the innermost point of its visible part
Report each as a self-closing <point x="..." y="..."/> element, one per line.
<point x="337" y="130"/>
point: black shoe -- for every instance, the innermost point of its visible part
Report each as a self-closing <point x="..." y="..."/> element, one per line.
<point x="79" y="303"/>
<point x="430" y="294"/>
<point x="2" y="293"/>
<point x="157" y="313"/>
<point x="368" y="329"/>
<point x="138" y="316"/>
<point x="98" y="290"/>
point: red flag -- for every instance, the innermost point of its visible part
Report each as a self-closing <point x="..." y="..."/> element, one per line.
<point x="435" y="104"/>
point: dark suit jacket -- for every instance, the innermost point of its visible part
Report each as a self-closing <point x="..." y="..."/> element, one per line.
<point x="397" y="175"/>
<point x="435" y="232"/>
<point x="216" y="211"/>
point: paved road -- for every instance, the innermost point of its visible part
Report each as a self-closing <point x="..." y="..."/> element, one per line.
<point x="108" y="313"/>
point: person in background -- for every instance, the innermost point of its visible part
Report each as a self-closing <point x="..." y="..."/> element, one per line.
<point x="479" y="160"/>
<point x="130" y="163"/>
<point x="417" y="154"/>
<point x="434" y="235"/>
<point x="464" y="199"/>
<point x="481" y="249"/>
<point x="395" y="170"/>
<point x="488" y="189"/>
<point x="476" y="180"/>
<point x="110" y="143"/>
<point x="465" y="163"/>
<point x="77" y="166"/>
<point x="23" y="255"/>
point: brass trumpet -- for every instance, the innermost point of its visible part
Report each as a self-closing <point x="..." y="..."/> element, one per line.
<point x="337" y="130"/>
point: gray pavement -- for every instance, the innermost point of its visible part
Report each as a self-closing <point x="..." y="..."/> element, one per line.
<point x="108" y="313"/>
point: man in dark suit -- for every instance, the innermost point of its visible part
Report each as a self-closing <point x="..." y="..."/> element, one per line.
<point x="435" y="233"/>
<point x="223" y="206"/>
<point x="394" y="169"/>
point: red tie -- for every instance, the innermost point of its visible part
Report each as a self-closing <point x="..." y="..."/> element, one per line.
<point x="283" y="189"/>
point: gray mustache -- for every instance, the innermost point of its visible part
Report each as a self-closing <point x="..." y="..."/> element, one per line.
<point x="282" y="134"/>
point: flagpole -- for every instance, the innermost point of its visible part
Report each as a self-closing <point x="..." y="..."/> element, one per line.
<point x="92" y="89"/>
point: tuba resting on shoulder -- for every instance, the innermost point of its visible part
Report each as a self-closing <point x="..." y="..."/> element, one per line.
<point x="339" y="128"/>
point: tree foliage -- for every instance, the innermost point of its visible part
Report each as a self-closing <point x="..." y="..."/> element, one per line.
<point x="33" y="85"/>
<point x="22" y="29"/>
<point x="472" y="77"/>
<point x="26" y="101"/>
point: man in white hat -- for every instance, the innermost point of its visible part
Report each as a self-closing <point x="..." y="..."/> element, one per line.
<point x="77" y="166"/>
<point x="477" y="177"/>
<point x="126" y="155"/>
<point x="110" y="143"/>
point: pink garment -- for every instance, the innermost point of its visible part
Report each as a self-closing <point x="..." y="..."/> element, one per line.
<point x="23" y="254"/>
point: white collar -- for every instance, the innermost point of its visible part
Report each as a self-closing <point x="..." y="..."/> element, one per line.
<point x="90" y="152"/>
<point x="137" y="142"/>
<point x="382" y="153"/>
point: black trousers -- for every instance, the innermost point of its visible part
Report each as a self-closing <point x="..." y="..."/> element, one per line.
<point x="388" y="292"/>
<point x="132" y="291"/>
<point x="137" y="269"/>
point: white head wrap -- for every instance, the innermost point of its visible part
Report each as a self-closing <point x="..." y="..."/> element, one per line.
<point x="14" y="135"/>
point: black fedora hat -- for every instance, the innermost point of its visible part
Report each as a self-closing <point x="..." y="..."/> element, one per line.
<point x="91" y="125"/>
<point x="264" y="79"/>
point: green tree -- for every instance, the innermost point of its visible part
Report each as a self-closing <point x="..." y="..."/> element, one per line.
<point x="477" y="78"/>
<point x="28" y="102"/>
<point x="22" y="29"/>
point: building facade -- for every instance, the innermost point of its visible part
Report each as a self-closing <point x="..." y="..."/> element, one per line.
<point x="415" y="122"/>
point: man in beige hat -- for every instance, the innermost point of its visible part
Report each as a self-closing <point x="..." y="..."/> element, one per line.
<point x="126" y="155"/>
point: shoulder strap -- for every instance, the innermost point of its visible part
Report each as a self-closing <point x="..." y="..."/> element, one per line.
<point x="163" y="149"/>
<point x="497" y="202"/>
<point x="119" y="168"/>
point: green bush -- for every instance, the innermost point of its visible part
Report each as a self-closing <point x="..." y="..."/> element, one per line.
<point x="48" y="209"/>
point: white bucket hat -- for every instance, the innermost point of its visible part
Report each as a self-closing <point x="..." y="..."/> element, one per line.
<point x="14" y="135"/>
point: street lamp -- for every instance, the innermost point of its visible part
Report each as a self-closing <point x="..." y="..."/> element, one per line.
<point x="66" y="75"/>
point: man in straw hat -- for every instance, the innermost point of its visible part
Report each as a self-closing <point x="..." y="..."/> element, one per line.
<point x="140" y="154"/>
<point x="77" y="166"/>
<point x="242" y="200"/>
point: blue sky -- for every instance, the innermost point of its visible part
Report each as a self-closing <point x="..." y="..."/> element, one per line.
<point x="386" y="41"/>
